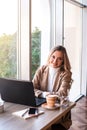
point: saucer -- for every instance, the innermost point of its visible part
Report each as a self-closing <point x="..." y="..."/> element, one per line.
<point x="51" y="108"/>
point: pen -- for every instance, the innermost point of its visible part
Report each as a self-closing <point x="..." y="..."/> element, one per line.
<point x="25" y="112"/>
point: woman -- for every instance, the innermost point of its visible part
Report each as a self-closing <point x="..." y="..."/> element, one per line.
<point x="55" y="76"/>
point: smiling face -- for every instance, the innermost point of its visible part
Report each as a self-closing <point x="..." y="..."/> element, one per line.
<point x="56" y="59"/>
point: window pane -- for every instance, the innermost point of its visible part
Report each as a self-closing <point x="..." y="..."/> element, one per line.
<point x="79" y="1"/>
<point x="40" y="32"/>
<point x="8" y="38"/>
<point x="73" y="43"/>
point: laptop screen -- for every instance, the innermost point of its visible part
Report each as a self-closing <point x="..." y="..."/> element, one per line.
<point x="16" y="91"/>
<point x="19" y="91"/>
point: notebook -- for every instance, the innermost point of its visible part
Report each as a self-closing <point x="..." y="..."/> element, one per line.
<point x="25" y="115"/>
<point x="20" y="92"/>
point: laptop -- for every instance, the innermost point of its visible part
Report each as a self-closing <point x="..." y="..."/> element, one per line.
<point x="20" y="92"/>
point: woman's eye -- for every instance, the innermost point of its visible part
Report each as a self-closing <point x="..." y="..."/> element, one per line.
<point x="53" y="57"/>
<point x="59" y="58"/>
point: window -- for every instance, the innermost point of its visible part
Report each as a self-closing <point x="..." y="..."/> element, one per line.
<point x="73" y="43"/>
<point x="29" y="28"/>
<point x="8" y="38"/>
<point x="40" y="32"/>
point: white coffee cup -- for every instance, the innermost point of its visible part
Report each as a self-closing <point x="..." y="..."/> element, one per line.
<point x="51" y="100"/>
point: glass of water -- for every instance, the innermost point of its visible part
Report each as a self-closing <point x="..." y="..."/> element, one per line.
<point x="1" y="104"/>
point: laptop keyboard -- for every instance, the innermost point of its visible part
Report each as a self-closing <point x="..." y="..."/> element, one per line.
<point x="40" y="101"/>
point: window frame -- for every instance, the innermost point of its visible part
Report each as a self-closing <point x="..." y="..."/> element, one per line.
<point x="24" y="40"/>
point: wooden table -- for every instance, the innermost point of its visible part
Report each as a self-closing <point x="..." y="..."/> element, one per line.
<point x="42" y="122"/>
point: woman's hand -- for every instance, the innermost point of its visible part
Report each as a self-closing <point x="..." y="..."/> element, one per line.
<point x="44" y="94"/>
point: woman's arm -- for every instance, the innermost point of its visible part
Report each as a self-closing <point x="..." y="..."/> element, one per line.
<point x="65" y="83"/>
<point x="40" y="81"/>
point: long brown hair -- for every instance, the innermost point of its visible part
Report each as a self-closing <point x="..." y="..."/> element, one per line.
<point x="66" y="62"/>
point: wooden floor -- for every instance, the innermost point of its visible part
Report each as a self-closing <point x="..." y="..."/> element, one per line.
<point x="79" y="115"/>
